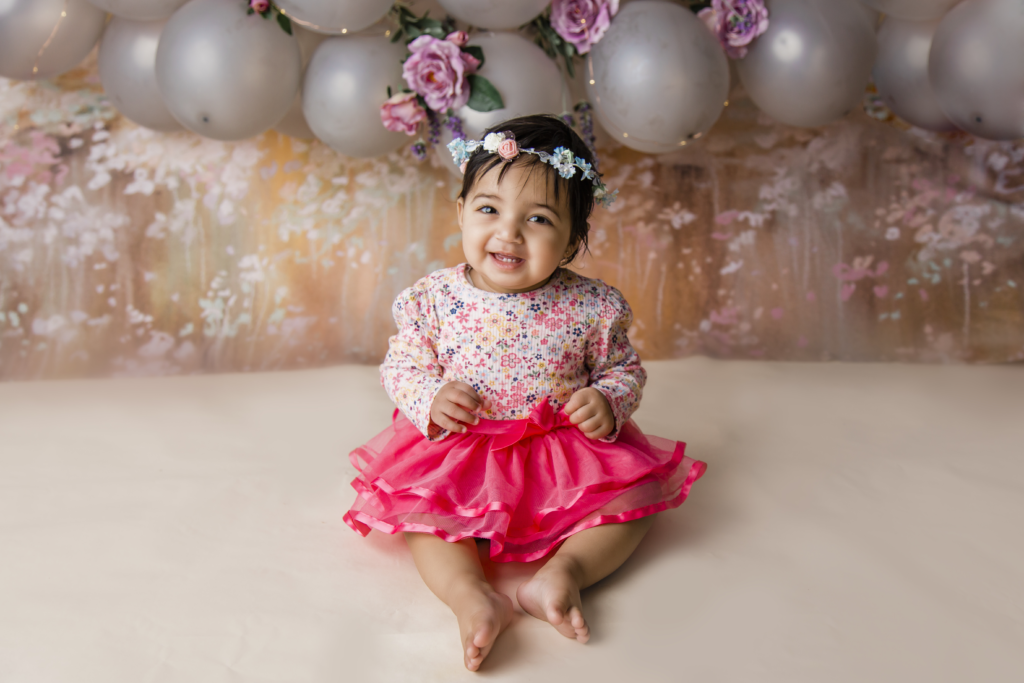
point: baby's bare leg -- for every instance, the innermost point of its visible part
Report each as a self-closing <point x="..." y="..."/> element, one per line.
<point x="453" y="573"/>
<point x="553" y="594"/>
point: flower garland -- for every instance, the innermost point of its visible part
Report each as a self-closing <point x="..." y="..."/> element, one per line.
<point x="440" y="73"/>
<point x="266" y="9"/>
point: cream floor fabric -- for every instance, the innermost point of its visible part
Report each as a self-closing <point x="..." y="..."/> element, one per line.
<point x="856" y="523"/>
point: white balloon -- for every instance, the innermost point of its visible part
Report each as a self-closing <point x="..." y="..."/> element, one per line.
<point x="495" y="14"/>
<point x="294" y="122"/>
<point x="335" y="17"/>
<point x="813" y="63"/>
<point x="658" y="77"/>
<point x="914" y="10"/>
<point x="976" y="67"/>
<point x="527" y="80"/>
<point x="345" y="85"/>
<point x="901" y="73"/>
<point x="140" y="10"/>
<point x="36" y="41"/>
<point x="225" y="74"/>
<point x="127" y="66"/>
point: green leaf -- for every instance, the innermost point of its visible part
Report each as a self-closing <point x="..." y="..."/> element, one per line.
<point x="476" y="51"/>
<point x="389" y="92"/>
<point x="251" y="11"/>
<point x="569" y="67"/>
<point x="398" y="35"/>
<point x="483" y="96"/>
<point x="285" y="23"/>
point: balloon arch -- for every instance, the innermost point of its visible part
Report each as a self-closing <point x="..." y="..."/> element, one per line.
<point x="366" y="76"/>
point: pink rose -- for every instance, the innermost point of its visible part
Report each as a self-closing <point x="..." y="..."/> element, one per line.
<point x="508" y="149"/>
<point x="260" y="6"/>
<point x="437" y="70"/>
<point x="460" y="38"/>
<point x="402" y="113"/>
<point x="582" y="22"/>
<point x="736" y="23"/>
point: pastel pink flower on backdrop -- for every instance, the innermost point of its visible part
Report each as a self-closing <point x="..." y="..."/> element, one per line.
<point x="736" y="23"/>
<point x="437" y="70"/>
<point x="582" y="22"/>
<point x="508" y="149"/>
<point x="260" y="5"/>
<point x="402" y="113"/>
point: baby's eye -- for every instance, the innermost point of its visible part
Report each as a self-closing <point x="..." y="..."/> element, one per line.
<point x="487" y="209"/>
<point x="539" y="219"/>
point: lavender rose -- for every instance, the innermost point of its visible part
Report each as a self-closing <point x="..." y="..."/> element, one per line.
<point x="582" y="22"/>
<point x="736" y="23"/>
<point x="260" y="6"/>
<point x="402" y="113"/>
<point x="437" y="70"/>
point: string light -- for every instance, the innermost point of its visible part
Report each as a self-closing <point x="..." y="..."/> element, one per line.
<point x="39" y="55"/>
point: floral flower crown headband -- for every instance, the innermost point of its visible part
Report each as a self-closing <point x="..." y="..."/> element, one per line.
<point x="504" y="145"/>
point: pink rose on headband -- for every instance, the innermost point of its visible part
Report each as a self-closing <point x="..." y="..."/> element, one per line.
<point x="402" y="113"/>
<point x="508" y="149"/>
<point x="582" y="22"/>
<point x="260" y="6"/>
<point x="437" y="70"/>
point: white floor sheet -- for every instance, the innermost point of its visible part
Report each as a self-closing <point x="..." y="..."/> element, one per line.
<point x="856" y="523"/>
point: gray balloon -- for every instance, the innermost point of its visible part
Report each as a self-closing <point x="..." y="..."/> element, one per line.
<point x="294" y="122"/>
<point x="901" y="73"/>
<point x="527" y="80"/>
<point x="658" y="78"/>
<point x="975" y="67"/>
<point x="225" y="74"/>
<point x="30" y="48"/>
<point x="495" y="14"/>
<point x="914" y="10"/>
<point x="127" y="66"/>
<point x="140" y="10"/>
<point x="345" y="85"/>
<point x="812" y="64"/>
<point x="335" y="16"/>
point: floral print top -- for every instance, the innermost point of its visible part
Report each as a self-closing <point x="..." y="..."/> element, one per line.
<point x="514" y="349"/>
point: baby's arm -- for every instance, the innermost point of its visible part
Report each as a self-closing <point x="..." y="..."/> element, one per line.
<point x="411" y="373"/>
<point x="614" y="364"/>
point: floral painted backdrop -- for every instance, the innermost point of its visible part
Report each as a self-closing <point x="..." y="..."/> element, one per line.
<point x="128" y="252"/>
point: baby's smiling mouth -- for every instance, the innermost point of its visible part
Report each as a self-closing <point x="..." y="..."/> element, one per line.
<point x="509" y="259"/>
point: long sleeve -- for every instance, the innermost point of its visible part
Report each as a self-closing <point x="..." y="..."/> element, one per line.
<point x="411" y="374"/>
<point x="614" y="365"/>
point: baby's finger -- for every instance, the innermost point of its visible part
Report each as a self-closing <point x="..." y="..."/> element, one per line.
<point x="596" y="428"/>
<point x="454" y="412"/>
<point x="451" y="425"/>
<point x="576" y="401"/>
<point x="467" y="398"/>
<point x="582" y="414"/>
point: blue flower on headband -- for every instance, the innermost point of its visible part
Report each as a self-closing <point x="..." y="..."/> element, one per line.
<point x="459" y="152"/>
<point x="563" y="162"/>
<point x="582" y="164"/>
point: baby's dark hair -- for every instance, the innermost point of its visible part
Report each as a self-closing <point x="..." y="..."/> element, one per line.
<point x="543" y="133"/>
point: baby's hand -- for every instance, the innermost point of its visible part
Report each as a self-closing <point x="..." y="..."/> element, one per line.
<point x="589" y="409"/>
<point x="454" y="404"/>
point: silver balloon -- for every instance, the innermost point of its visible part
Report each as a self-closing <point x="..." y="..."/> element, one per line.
<point x="45" y="38"/>
<point x="812" y="64"/>
<point x="658" y="77"/>
<point x="225" y="74"/>
<point x="127" y="66"/>
<point x="335" y="16"/>
<point x="528" y="81"/>
<point x="140" y="10"/>
<point x="294" y="122"/>
<point x="345" y="85"/>
<point x="495" y="14"/>
<point x="914" y="10"/>
<point x="901" y="73"/>
<point x="975" y="67"/>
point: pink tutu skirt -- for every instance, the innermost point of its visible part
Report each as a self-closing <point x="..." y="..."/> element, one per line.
<point x="526" y="485"/>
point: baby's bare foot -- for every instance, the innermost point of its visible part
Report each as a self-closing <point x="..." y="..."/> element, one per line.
<point x="483" y="614"/>
<point x="553" y="595"/>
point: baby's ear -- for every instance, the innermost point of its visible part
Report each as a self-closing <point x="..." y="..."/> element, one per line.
<point x="460" y="204"/>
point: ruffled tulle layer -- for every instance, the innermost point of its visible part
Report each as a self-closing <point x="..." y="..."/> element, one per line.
<point x="526" y="485"/>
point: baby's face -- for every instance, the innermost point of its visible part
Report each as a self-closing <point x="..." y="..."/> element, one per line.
<point x="514" y="233"/>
